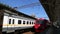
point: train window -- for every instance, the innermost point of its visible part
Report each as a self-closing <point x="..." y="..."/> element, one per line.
<point x="19" y="21"/>
<point x="13" y="21"/>
<point x="9" y="21"/>
<point x="23" y="22"/>
<point x="30" y="22"/>
<point x="27" y="22"/>
<point x="40" y="22"/>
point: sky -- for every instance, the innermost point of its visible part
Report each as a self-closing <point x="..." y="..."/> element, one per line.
<point x="36" y="9"/>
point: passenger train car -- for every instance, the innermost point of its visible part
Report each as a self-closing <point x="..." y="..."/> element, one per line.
<point x="15" y="20"/>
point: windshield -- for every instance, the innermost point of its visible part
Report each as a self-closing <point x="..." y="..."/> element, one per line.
<point x="40" y="22"/>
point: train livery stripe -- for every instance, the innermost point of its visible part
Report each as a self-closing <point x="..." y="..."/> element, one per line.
<point x="15" y="24"/>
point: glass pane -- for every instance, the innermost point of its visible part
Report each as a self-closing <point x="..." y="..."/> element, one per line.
<point x="19" y="21"/>
<point x="9" y="21"/>
<point x="23" y="22"/>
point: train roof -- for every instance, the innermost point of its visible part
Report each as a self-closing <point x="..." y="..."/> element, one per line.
<point x="6" y="7"/>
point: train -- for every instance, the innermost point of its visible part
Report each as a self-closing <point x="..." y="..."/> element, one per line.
<point x="41" y="24"/>
<point x="12" y="20"/>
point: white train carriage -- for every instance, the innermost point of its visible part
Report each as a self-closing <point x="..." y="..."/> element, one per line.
<point x="14" y="20"/>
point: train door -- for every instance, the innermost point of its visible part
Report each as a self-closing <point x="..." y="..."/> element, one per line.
<point x="10" y="25"/>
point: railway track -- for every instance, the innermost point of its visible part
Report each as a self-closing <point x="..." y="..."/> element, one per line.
<point x="26" y="31"/>
<point x="29" y="32"/>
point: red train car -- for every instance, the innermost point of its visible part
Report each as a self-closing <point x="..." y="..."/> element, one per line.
<point x="40" y="25"/>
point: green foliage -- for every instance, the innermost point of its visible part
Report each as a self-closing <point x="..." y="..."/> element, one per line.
<point x="4" y="6"/>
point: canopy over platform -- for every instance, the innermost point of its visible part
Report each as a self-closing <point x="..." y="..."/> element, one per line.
<point x="52" y="8"/>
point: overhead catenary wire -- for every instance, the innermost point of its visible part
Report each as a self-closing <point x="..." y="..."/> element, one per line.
<point x="28" y="5"/>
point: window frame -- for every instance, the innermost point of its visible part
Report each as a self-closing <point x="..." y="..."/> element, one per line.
<point x="13" y="21"/>
<point x="10" y="21"/>
<point x="27" y="22"/>
<point x="30" y="22"/>
<point x="24" y="22"/>
<point x="19" y="21"/>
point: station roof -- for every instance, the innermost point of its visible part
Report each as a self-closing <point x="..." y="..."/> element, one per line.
<point x="5" y="7"/>
<point x="52" y="8"/>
